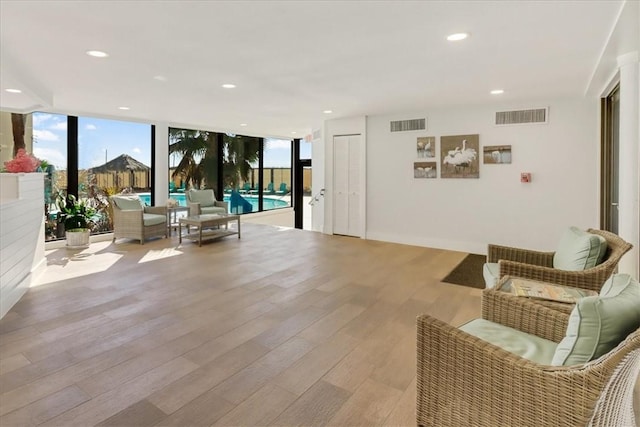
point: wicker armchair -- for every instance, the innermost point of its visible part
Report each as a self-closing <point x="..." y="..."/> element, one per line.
<point x="130" y="223"/>
<point x="204" y="202"/>
<point x="465" y="381"/>
<point x="536" y="265"/>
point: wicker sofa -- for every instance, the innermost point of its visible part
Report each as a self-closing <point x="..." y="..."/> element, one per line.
<point x="537" y="265"/>
<point x="134" y="221"/>
<point x="463" y="380"/>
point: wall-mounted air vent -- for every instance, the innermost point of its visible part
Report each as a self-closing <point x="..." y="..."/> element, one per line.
<point x="407" y="125"/>
<point x="316" y="134"/>
<point x="519" y="117"/>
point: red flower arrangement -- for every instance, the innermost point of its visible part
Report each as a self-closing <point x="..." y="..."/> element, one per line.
<point x="23" y="162"/>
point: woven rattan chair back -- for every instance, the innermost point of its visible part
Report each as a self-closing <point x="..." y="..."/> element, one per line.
<point x="535" y="265"/>
<point x="615" y="405"/>
<point x="616" y="248"/>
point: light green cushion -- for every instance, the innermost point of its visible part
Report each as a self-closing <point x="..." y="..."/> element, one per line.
<point x="153" y="219"/>
<point x="599" y="323"/>
<point x="579" y="250"/>
<point x="213" y="210"/>
<point x="491" y="273"/>
<point x="204" y="197"/>
<point x="128" y="203"/>
<point x="525" y="345"/>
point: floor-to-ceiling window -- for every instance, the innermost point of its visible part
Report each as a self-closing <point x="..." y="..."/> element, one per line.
<point x="277" y="173"/>
<point x="113" y="157"/>
<point x="305" y="154"/>
<point x="50" y="146"/>
<point x="248" y="172"/>
<point x="193" y="162"/>
<point x="307" y="174"/>
<point x="241" y="157"/>
<point x="93" y="160"/>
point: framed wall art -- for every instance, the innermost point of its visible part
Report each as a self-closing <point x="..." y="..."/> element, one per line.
<point x="459" y="154"/>
<point x="496" y="154"/>
<point x="426" y="147"/>
<point x="425" y="170"/>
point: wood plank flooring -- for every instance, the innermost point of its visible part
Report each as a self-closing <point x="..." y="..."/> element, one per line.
<point x="283" y="327"/>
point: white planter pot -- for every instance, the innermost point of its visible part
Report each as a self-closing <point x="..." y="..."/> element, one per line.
<point x="77" y="239"/>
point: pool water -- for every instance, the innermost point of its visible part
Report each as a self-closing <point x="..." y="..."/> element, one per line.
<point x="267" y="203"/>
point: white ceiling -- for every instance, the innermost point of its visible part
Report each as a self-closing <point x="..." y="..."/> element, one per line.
<point x="292" y="60"/>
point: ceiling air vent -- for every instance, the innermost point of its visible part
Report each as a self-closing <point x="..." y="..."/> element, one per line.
<point x="407" y="125"/>
<point x="519" y="117"/>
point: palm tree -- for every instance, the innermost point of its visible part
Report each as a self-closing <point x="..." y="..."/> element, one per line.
<point x="193" y="146"/>
<point x="240" y="152"/>
<point x="17" y="125"/>
<point x="199" y="156"/>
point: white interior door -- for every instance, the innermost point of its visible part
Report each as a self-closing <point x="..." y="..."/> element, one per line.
<point x="346" y="185"/>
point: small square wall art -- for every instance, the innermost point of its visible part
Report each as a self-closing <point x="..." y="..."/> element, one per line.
<point x="426" y="147"/>
<point x="425" y="170"/>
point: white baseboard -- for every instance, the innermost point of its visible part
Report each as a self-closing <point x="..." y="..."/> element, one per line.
<point x="451" y="245"/>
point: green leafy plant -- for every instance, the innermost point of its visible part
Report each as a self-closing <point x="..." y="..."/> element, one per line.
<point x="76" y="214"/>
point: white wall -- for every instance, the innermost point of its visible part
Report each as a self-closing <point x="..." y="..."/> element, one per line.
<point x="346" y="126"/>
<point x="467" y="214"/>
<point x="21" y="235"/>
<point x="629" y="162"/>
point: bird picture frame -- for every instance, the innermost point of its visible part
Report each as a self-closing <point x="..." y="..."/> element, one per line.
<point x="496" y="154"/>
<point x="460" y="156"/>
<point x="426" y="147"/>
<point x="428" y="170"/>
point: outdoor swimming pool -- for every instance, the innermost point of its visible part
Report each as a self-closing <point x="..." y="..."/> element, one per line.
<point x="267" y="202"/>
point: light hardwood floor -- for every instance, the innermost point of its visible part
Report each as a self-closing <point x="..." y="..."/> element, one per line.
<point x="283" y="327"/>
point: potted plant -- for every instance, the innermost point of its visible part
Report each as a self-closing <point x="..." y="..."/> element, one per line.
<point x="23" y="162"/>
<point x="76" y="216"/>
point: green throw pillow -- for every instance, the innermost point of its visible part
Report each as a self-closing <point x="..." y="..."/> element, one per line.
<point x="599" y="323"/>
<point x="206" y="198"/>
<point x="128" y="203"/>
<point x="579" y="250"/>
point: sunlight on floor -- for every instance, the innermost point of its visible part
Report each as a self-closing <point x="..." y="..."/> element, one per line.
<point x="66" y="263"/>
<point x="161" y="254"/>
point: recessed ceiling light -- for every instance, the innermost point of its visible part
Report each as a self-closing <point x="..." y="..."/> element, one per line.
<point x="228" y="86"/>
<point x="457" y="36"/>
<point x="327" y="111"/>
<point x="160" y="78"/>
<point x="124" y="108"/>
<point x="293" y="133"/>
<point x="243" y="124"/>
<point x="97" y="53"/>
<point x="497" y="92"/>
<point x="13" y="90"/>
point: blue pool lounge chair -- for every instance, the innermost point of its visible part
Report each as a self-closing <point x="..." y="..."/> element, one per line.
<point x="245" y="188"/>
<point x="269" y="189"/>
<point x="283" y="189"/>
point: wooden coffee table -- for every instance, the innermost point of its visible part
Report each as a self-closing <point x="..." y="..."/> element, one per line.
<point x="208" y="226"/>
